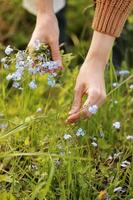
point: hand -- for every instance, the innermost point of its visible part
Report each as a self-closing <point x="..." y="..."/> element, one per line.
<point x="47" y="31"/>
<point x="90" y="82"/>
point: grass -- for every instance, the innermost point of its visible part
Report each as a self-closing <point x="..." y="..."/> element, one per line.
<point x="37" y="163"/>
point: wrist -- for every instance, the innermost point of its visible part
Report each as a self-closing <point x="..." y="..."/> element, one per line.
<point x="44" y="7"/>
<point x="48" y="16"/>
<point x="97" y="56"/>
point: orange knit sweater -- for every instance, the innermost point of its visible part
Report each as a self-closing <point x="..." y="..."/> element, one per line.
<point x="110" y="16"/>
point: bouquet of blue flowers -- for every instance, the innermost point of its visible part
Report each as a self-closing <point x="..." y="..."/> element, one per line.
<point x="20" y="63"/>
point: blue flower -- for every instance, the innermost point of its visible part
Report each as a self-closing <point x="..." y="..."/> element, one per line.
<point x="117" y="125"/>
<point x="51" y="81"/>
<point x="94" y="144"/>
<point x="37" y="44"/>
<point x="6" y="66"/>
<point x="119" y="190"/>
<point x="16" y="85"/>
<point x="16" y="76"/>
<point x="3" y="126"/>
<point x="67" y="136"/>
<point x="9" y="77"/>
<point x="123" y="72"/>
<point x="80" y="132"/>
<point x="3" y="60"/>
<point x="33" y="85"/>
<point x="125" y="164"/>
<point x="130" y="137"/>
<point x="93" y="109"/>
<point x="115" y="84"/>
<point x="131" y="86"/>
<point x="8" y="50"/>
<point x="39" y="110"/>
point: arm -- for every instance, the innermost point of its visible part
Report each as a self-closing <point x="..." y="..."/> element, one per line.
<point x="109" y="19"/>
<point x="90" y="80"/>
<point x="46" y="29"/>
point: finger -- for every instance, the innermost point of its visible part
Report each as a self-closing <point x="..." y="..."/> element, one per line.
<point x="73" y="118"/>
<point x="97" y="99"/>
<point x="55" y="50"/>
<point x="83" y="113"/>
<point x="77" y="101"/>
<point x="94" y="98"/>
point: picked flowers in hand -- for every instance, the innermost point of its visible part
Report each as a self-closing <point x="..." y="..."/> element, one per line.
<point x="20" y="64"/>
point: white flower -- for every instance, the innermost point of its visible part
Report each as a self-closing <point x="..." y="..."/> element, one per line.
<point x="93" y="109"/>
<point x="8" y="50"/>
<point x="130" y="137"/>
<point x="67" y="136"/>
<point x="117" y="125"/>
<point x="94" y="144"/>
<point x="80" y="132"/>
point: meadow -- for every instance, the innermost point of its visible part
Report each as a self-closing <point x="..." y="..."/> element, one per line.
<point x="43" y="158"/>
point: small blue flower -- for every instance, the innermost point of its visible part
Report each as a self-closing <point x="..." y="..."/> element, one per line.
<point x="37" y="44"/>
<point x="115" y="84"/>
<point x="9" y="77"/>
<point x="51" y="81"/>
<point x="131" y="86"/>
<point x="67" y="136"/>
<point x="3" y="60"/>
<point x="93" y="109"/>
<point x="20" y="64"/>
<point x="80" y="132"/>
<point x="16" y="85"/>
<point x="123" y="72"/>
<point x="8" y="50"/>
<point x="117" y="125"/>
<point x="39" y="110"/>
<point x="3" y="126"/>
<point x="130" y="137"/>
<point x="6" y="66"/>
<point x="119" y="190"/>
<point x="94" y="144"/>
<point x="125" y="164"/>
<point x="16" y="76"/>
<point x="33" y="85"/>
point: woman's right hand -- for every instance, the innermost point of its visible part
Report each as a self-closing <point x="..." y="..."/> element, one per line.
<point x="47" y="31"/>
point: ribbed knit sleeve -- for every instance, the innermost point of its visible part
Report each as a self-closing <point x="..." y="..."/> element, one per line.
<point x="110" y="16"/>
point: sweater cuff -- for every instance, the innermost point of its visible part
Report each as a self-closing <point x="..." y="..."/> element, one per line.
<point x="110" y="16"/>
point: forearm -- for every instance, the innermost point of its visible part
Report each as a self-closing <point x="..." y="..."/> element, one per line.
<point x="44" y="6"/>
<point x="100" y="47"/>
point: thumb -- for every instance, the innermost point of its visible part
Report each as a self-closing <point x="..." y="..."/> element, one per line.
<point x="77" y="101"/>
<point x="55" y="50"/>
